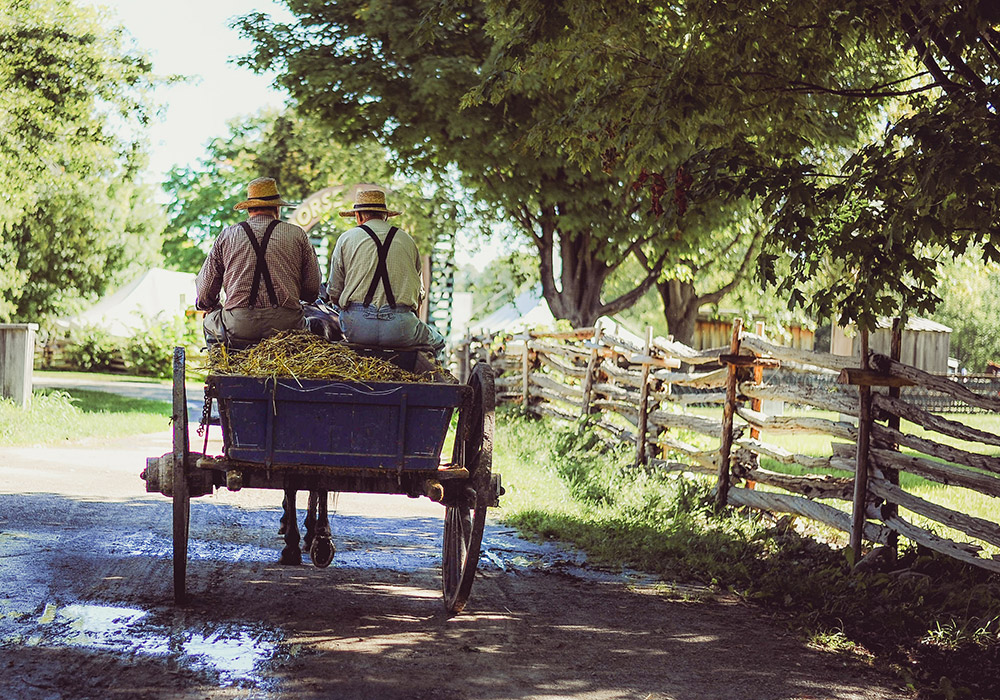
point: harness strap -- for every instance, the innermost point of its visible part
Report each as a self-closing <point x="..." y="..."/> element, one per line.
<point x="261" y="270"/>
<point x="381" y="270"/>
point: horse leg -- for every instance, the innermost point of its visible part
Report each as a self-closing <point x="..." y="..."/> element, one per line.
<point x="321" y="551"/>
<point x="310" y="522"/>
<point x="283" y="523"/>
<point x="291" y="554"/>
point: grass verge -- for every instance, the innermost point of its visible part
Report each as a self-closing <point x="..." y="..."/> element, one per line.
<point x="933" y="621"/>
<point x="58" y="416"/>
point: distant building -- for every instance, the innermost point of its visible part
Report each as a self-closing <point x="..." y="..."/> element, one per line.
<point x="926" y="343"/>
<point x="715" y="330"/>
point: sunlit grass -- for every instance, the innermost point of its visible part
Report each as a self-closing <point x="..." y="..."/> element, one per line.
<point x="60" y="416"/>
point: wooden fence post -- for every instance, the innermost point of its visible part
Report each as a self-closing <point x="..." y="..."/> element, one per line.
<point x="525" y="368"/>
<point x="891" y="510"/>
<point x="640" y="443"/>
<point x="729" y="408"/>
<point x="588" y="379"/>
<point x="756" y="404"/>
<point x="861" y="470"/>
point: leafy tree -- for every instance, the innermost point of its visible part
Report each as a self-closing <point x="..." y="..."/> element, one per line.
<point x="745" y="80"/>
<point x="970" y="305"/>
<point x="381" y="70"/>
<point x="73" y="219"/>
<point x="303" y="157"/>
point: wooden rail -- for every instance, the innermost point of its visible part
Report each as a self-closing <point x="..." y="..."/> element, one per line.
<point x="632" y="391"/>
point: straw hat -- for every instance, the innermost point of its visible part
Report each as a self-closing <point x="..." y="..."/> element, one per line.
<point x="370" y="200"/>
<point x="262" y="192"/>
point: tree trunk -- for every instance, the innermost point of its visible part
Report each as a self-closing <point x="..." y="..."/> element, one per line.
<point x="680" y="308"/>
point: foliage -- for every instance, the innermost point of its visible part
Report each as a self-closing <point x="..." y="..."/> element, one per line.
<point x="500" y="282"/>
<point x="73" y="217"/>
<point x="760" y="91"/>
<point x="303" y="157"/>
<point x="932" y="618"/>
<point x="150" y="351"/>
<point x="970" y="305"/>
<point x="53" y="417"/>
<point x="147" y="352"/>
<point x="382" y="70"/>
<point x="92" y="349"/>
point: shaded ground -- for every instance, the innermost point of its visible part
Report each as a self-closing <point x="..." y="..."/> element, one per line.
<point x="86" y="606"/>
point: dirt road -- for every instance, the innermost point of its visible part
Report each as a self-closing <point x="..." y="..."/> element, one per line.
<point x="86" y="608"/>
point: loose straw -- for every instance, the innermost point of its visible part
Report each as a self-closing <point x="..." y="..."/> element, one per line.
<point x="302" y="355"/>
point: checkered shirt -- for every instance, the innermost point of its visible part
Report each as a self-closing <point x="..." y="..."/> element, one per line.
<point x="290" y="258"/>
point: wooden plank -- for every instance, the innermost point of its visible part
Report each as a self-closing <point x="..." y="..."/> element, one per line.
<point x="577" y="334"/>
<point x="799" y="424"/>
<point x="697" y="424"/>
<point x="616" y="392"/>
<point x="646" y="359"/>
<point x="728" y="411"/>
<point x="749" y="361"/>
<point x="808" y="485"/>
<point x="839" y="400"/>
<point x="939" y="472"/>
<point x="985" y="530"/>
<point x="640" y="453"/>
<point x="589" y="376"/>
<point x="940" y="544"/>
<point x="622" y="376"/>
<point x="860" y="505"/>
<point x="870" y="377"/>
<point x="695" y="380"/>
<point x="687" y="354"/>
<point x="934" y="449"/>
<point x="804" y="357"/>
<point x="930" y="421"/>
<point x="562" y="367"/>
<point x="544" y="382"/>
<point x="788" y="503"/>
<point x="935" y="383"/>
<point x="559" y="350"/>
<point x="537" y="392"/>
<point x="782" y="455"/>
<point x="671" y="466"/>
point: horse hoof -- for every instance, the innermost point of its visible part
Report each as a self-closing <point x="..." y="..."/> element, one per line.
<point x="291" y="557"/>
<point x="321" y="552"/>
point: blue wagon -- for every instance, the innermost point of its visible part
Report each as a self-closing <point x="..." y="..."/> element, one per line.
<point x="345" y="436"/>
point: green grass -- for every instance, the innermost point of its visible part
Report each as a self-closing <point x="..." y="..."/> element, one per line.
<point x="96" y="376"/>
<point x="58" y="416"/>
<point x="936" y="625"/>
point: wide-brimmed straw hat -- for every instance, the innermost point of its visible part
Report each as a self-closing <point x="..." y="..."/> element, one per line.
<point x="262" y="193"/>
<point x="370" y="200"/>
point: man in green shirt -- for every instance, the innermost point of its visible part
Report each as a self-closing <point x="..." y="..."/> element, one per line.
<point x="375" y="280"/>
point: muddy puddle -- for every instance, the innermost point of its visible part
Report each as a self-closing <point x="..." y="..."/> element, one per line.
<point x="232" y="654"/>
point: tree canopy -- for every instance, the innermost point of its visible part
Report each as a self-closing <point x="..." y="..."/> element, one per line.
<point x="73" y="218"/>
<point x="371" y="70"/>
<point x="303" y="156"/>
<point x="760" y="91"/>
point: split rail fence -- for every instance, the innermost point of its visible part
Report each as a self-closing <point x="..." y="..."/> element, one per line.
<point x="634" y="391"/>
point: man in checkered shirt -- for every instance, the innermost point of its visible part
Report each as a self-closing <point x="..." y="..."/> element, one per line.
<point x="266" y="267"/>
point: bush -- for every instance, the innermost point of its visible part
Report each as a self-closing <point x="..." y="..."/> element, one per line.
<point x="91" y="349"/>
<point x="150" y="352"/>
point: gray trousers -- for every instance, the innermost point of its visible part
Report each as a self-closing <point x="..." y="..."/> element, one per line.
<point x="242" y="326"/>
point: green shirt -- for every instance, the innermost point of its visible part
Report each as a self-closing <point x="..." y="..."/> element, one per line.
<point x="355" y="257"/>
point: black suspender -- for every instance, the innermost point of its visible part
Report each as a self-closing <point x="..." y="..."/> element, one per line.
<point x="381" y="270"/>
<point x="260" y="269"/>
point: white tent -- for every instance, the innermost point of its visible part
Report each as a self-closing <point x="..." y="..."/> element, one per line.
<point x="155" y="295"/>
<point x="528" y="310"/>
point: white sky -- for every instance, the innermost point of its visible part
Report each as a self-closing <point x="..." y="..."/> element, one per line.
<point x="193" y="38"/>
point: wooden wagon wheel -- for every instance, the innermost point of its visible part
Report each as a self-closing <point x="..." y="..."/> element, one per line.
<point x="465" y="519"/>
<point x="182" y="498"/>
